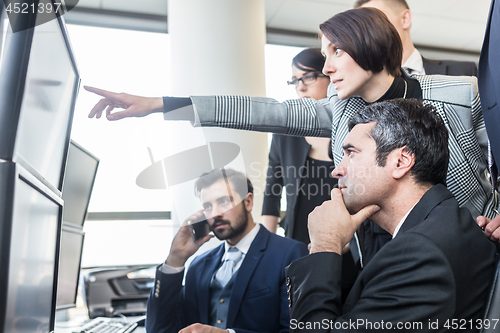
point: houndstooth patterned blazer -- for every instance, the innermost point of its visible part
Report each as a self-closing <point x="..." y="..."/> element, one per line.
<point x="455" y="98"/>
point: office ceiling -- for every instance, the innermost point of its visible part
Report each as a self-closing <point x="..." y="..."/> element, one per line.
<point x="441" y="25"/>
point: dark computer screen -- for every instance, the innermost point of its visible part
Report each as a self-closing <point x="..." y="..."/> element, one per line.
<point x="30" y="230"/>
<point x="36" y="117"/>
<point x="70" y="256"/>
<point x="81" y="169"/>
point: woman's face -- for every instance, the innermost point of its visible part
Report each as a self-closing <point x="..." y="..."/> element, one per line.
<point x="316" y="90"/>
<point x="348" y="78"/>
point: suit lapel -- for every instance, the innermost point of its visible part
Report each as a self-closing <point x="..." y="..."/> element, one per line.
<point x="245" y="272"/>
<point x="209" y="266"/>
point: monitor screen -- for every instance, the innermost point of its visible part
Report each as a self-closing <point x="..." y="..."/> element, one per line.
<point x="31" y="222"/>
<point x="81" y="169"/>
<point x="41" y="107"/>
<point x="70" y="256"/>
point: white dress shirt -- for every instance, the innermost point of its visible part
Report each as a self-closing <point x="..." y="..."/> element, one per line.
<point x="415" y="64"/>
<point x="402" y="221"/>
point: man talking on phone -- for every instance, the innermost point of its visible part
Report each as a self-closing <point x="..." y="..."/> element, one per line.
<point x="240" y="285"/>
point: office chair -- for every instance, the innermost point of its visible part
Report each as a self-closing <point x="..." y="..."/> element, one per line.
<point x="493" y="306"/>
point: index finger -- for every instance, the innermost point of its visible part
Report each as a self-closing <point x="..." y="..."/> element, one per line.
<point x="100" y="92"/>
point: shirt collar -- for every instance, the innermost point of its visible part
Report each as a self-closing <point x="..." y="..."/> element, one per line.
<point x="244" y="244"/>
<point x="402" y="221"/>
<point x="414" y="63"/>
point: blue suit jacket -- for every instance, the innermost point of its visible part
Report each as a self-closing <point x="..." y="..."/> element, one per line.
<point x="258" y="300"/>
<point x="489" y="79"/>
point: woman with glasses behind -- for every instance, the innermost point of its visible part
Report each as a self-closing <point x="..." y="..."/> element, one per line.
<point x="301" y="164"/>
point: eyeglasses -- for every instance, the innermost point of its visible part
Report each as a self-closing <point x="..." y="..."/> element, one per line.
<point x="307" y="79"/>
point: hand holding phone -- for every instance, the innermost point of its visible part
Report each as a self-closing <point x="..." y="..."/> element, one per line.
<point x="199" y="228"/>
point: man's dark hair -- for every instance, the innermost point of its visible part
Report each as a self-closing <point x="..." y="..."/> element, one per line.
<point x="401" y="3"/>
<point x="241" y="184"/>
<point x="411" y="124"/>
<point x="309" y="59"/>
<point x="368" y="36"/>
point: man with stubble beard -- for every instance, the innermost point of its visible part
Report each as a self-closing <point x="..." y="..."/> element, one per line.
<point x="238" y="286"/>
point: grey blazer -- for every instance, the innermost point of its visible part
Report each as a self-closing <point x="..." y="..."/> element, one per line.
<point x="455" y="98"/>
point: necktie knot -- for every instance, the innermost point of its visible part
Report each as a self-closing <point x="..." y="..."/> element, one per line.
<point x="226" y="271"/>
<point x="233" y="254"/>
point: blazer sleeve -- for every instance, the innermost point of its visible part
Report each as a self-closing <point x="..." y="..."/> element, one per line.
<point x="297" y="251"/>
<point x="274" y="181"/>
<point x="410" y="282"/>
<point x="165" y="309"/>
<point x="298" y="117"/>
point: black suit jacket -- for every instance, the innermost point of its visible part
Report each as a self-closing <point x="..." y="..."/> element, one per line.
<point x="438" y="267"/>
<point x="449" y="67"/>
<point x="489" y="78"/>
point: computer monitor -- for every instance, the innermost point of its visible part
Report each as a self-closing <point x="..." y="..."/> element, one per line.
<point x="39" y="83"/>
<point x="30" y="226"/>
<point x="70" y="256"/>
<point x="81" y="170"/>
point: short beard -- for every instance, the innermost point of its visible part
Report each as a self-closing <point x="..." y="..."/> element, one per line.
<point x="239" y="227"/>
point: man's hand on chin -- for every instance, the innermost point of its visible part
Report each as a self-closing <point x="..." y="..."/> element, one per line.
<point x="200" y="328"/>
<point x="331" y="226"/>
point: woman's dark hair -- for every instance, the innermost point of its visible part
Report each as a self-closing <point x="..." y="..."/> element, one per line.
<point x="368" y="36"/>
<point x="411" y="124"/>
<point x="308" y="59"/>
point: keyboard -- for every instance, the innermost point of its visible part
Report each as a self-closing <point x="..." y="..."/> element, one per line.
<point x="107" y="325"/>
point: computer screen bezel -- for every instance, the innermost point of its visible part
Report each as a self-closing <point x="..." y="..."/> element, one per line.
<point x="89" y="194"/>
<point x="72" y="229"/>
<point x="10" y="173"/>
<point x="13" y="87"/>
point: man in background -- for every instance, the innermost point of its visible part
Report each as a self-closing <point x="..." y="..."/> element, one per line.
<point x="398" y="12"/>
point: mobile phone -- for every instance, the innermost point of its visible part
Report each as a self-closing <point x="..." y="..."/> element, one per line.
<point x="199" y="228"/>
